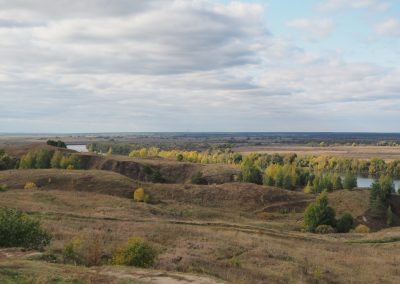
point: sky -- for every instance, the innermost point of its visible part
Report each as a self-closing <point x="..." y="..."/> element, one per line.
<point x="148" y="66"/>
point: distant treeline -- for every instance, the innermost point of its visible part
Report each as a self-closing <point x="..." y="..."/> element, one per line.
<point x="115" y="148"/>
<point x="340" y="165"/>
<point x="58" y="143"/>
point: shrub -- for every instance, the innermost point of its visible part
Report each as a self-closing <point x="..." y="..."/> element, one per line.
<point x="71" y="251"/>
<point x="84" y="251"/>
<point x="319" y="213"/>
<point x="3" y="187"/>
<point x="361" y="229"/>
<point x="197" y="178"/>
<point x="139" y="195"/>
<point x="235" y="261"/>
<point x="324" y="229"/>
<point x="30" y="185"/>
<point x="136" y="252"/>
<point x="308" y="188"/>
<point x="19" y="230"/>
<point x="345" y="223"/>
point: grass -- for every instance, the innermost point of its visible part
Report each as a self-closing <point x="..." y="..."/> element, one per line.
<point x="229" y="247"/>
<point x="234" y="232"/>
<point x="376" y="241"/>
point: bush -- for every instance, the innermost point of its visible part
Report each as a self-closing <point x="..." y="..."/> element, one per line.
<point x="19" y="230"/>
<point x="3" y="187"/>
<point x="361" y="229"/>
<point x="324" y="229"/>
<point x="139" y="195"/>
<point x="197" y="178"/>
<point x="84" y="251"/>
<point x="30" y="185"/>
<point x="319" y="213"/>
<point x="345" y="223"/>
<point x="136" y="252"/>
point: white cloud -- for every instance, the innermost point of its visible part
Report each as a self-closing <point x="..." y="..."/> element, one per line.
<point x="333" y="5"/>
<point x="176" y="65"/>
<point x="313" y="28"/>
<point x="390" y="27"/>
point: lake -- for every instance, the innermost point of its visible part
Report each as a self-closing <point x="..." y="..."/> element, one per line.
<point x="367" y="182"/>
<point x="78" y="148"/>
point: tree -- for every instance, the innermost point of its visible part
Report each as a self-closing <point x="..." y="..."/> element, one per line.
<point x="27" y="161"/>
<point x="43" y="158"/>
<point x="337" y="182"/>
<point x="379" y="193"/>
<point x="56" y="160"/>
<point x="345" y="223"/>
<point x="237" y="158"/>
<point x="350" y="181"/>
<point x="319" y="213"/>
<point x="250" y="173"/>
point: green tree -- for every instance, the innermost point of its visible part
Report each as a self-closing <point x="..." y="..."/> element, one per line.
<point x="337" y="182"/>
<point x="43" y="157"/>
<point x="345" y="223"/>
<point x="27" y="161"/>
<point x="350" y="181"/>
<point x="319" y="213"/>
<point x="250" y="172"/>
<point x="56" y="160"/>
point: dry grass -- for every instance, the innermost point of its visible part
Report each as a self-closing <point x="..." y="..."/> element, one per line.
<point x="261" y="250"/>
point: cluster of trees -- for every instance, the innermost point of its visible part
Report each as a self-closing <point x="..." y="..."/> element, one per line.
<point x="58" y="143"/>
<point x="292" y="176"/>
<point x="320" y="214"/>
<point x="374" y="167"/>
<point x="6" y="162"/>
<point x="208" y="157"/>
<point x="45" y="159"/>
<point x="380" y="192"/>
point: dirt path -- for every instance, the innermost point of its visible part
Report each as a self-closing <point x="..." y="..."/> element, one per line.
<point x="157" y="277"/>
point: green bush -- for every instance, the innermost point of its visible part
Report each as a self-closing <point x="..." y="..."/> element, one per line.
<point x="350" y="181"/>
<point x="19" y="230"/>
<point x="3" y="187"/>
<point x="345" y="223"/>
<point x="324" y="229"/>
<point x="136" y="252"/>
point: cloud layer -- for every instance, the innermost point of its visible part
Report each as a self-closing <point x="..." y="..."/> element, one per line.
<point x="86" y="66"/>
